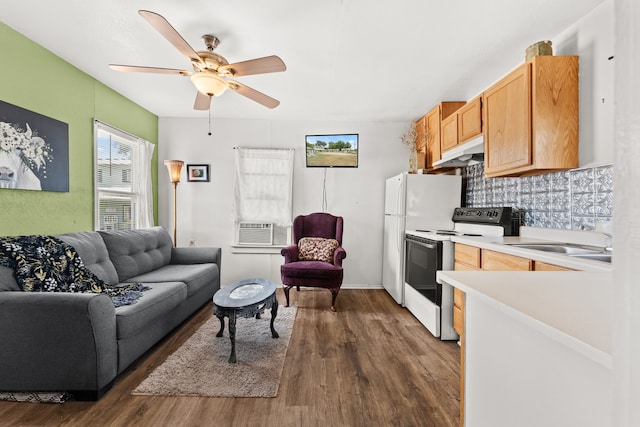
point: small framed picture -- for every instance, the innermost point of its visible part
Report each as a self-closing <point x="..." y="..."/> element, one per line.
<point x="198" y="173"/>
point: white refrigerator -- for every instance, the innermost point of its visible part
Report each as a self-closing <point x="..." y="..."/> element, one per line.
<point x="414" y="202"/>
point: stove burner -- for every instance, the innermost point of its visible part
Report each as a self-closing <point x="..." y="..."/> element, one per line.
<point x="447" y="232"/>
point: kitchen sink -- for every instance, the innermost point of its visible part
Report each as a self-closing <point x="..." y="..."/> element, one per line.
<point x="594" y="253"/>
<point x="605" y="257"/>
<point x="560" y="248"/>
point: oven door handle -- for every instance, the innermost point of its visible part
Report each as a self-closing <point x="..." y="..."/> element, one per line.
<point x="426" y="245"/>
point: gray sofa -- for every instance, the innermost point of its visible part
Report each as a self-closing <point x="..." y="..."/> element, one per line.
<point x="78" y="342"/>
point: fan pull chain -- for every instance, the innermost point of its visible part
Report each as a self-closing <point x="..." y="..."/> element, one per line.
<point x="210" y="118"/>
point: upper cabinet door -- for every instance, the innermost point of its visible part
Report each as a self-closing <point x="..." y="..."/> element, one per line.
<point x="432" y="131"/>
<point x="507" y="110"/>
<point x="449" y="133"/>
<point x="470" y="120"/>
<point x="531" y="118"/>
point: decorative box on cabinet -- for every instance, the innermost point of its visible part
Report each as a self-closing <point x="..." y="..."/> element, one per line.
<point x="531" y="118"/>
<point x="433" y="124"/>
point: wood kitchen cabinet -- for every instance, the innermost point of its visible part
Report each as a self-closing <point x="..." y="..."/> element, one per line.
<point x="467" y="257"/>
<point x="469" y="120"/>
<point x="462" y="126"/>
<point x="531" y="118"/>
<point x="497" y="261"/>
<point x="475" y="259"/>
<point x="433" y="125"/>
<point x="449" y="131"/>
<point x="458" y="326"/>
<point x="543" y="266"/>
<point x="421" y="143"/>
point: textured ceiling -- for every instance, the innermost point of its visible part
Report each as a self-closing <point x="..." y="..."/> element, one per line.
<point x="346" y="59"/>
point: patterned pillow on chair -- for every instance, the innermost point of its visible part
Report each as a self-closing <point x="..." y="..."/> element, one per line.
<point x="317" y="249"/>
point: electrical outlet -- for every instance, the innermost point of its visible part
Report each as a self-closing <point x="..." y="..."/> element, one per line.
<point x="192" y="242"/>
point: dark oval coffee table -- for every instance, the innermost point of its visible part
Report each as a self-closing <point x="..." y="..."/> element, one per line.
<point x="246" y="298"/>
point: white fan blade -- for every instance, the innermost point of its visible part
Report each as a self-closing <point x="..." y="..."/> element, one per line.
<point x="268" y="64"/>
<point x="155" y="70"/>
<point x="202" y="101"/>
<point x="253" y="94"/>
<point x="168" y="32"/>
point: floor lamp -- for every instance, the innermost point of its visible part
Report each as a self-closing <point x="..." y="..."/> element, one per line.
<point x="174" y="167"/>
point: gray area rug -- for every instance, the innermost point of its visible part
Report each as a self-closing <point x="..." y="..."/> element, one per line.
<point x="200" y="366"/>
<point x="35" y="397"/>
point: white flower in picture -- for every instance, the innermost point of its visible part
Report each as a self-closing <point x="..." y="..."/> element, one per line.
<point x="22" y="153"/>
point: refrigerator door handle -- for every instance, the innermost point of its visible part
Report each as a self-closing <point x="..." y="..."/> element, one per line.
<point x="399" y="208"/>
<point x="401" y="211"/>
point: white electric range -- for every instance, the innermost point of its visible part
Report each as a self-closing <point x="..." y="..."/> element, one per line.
<point x="427" y="251"/>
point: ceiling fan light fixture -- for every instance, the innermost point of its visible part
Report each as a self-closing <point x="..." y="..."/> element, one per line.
<point x="208" y="83"/>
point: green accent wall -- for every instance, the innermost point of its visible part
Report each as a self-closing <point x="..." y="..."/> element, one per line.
<point x="33" y="78"/>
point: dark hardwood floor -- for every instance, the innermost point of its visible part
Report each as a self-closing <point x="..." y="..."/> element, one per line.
<point x="371" y="363"/>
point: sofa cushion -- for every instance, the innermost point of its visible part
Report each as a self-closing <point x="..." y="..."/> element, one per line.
<point x="135" y="252"/>
<point x="93" y="252"/>
<point x="156" y="302"/>
<point x="196" y="276"/>
<point x="311" y="269"/>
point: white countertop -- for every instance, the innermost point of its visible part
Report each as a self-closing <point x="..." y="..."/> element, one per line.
<point x="539" y="235"/>
<point x="573" y="308"/>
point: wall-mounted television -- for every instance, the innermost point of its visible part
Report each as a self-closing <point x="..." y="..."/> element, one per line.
<point x="332" y="151"/>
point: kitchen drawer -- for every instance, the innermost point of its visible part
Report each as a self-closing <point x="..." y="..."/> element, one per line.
<point x="543" y="266"/>
<point x="458" y="298"/>
<point x="458" y="311"/>
<point x="496" y="261"/>
<point x="458" y="266"/>
<point x="458" y="320"/>
<point x="468" y="255"/>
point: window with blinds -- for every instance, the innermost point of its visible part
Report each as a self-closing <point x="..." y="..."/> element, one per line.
<point x="115" y="175"/>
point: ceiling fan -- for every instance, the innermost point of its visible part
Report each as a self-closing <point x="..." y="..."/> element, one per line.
<point x="211" y="71"/>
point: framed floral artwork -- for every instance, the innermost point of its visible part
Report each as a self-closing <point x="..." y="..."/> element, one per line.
<point x="34" y="150"/>
<point x="198" y="173"/>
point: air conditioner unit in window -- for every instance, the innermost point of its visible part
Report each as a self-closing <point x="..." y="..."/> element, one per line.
<point x="254" y="233"/>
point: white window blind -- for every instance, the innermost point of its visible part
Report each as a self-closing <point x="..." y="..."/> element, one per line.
<point x="263" y="194"/>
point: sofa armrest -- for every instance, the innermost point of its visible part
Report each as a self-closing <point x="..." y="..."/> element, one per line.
<point x="290" y="253"/>
<point x="57" y="341"/>
<point x="338" y="256"/>
<point x="196" y="255"/>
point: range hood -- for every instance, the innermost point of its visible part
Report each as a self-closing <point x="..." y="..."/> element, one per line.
<point x="468" y="153"/>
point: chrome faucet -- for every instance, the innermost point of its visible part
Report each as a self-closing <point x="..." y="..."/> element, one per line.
<point x="608" y="242"/>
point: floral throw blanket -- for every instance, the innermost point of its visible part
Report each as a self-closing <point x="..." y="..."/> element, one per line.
<point x="47" y="264"/>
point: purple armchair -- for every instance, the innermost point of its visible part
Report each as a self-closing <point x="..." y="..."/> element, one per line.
<point x="304" y="266"/>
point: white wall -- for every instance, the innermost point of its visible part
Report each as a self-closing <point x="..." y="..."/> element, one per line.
<point x="626" y="223"/>
<point x="592" y="39"/>
<point x="204" y="209"/>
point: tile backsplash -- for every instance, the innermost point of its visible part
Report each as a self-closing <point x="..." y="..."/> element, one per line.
<point x="573" y="199"/>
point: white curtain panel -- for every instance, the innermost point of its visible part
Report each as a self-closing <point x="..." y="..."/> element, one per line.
<point x="263" y="184"/>
<point x="144" y="207"/>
